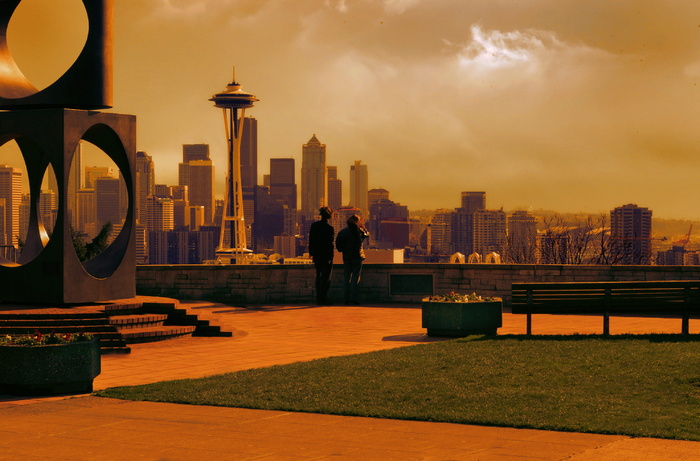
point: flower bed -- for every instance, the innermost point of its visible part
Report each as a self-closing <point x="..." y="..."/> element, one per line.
<point x="455" y="315"/>
<point x="48" y="364"/>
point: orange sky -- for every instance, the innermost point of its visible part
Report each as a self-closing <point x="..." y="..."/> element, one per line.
<point x="558" y="104"/>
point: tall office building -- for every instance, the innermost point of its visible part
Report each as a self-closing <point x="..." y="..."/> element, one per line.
<point x="439" y="233"/>
<point x="86" y="212"/>
<point x="145" y="181"/>
<point x="473" y="202"/>
<point x="375" y="195"/>
<point x="249" y="174"/>
<point x="522" y="238"/>
<point x="249" y="154"/>
<point x="11" y="192"/>
<point x="198" y="175"/>
<point x="314" y="178"/>
<point x="489" y="232"/>
<point x="359" y="187"/>
<point x="630" y="234"/>
<point x="160" y="213"/>
<point x="181" y="201"/>
<point x="108" y="201"/>
<point x="283" y="186"/>
<point x="335" y="188"/>
<point x="94" y="172"/>
<point x="48" y="209"/>
<point x="192" y="152"/>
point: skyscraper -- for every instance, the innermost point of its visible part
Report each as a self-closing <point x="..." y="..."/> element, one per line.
<point x="107" y="201"/>
<point x="283" y="186"/>
<point x="160" y="213"/>
<point x="335" y="188"/>
<point x="86" y="212"/>
<point x="314" y="178"/>
<point x="11" y="191"/>
<point x="630" y="234"/>
<point x="249" y="154"/>
<point x="359" y="187"/>
<point x="198" y="175"/>
<point x="249" y="174"/>
<point x="145" y="180"/>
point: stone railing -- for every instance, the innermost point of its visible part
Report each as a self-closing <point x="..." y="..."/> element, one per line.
<point x="381" y="283"/>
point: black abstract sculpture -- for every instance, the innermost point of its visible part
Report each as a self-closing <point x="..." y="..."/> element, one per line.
<point x="48" y="126"/>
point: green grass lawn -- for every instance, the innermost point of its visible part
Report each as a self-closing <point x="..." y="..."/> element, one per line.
<point x="633" y="385"/>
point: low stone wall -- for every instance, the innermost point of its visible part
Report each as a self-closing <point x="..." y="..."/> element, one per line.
<point x="381" y="283"/>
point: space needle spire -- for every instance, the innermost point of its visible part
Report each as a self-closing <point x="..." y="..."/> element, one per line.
<point x="233" y="247"/>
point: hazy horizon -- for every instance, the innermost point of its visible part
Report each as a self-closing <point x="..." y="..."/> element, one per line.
<point x="550" y="104"/>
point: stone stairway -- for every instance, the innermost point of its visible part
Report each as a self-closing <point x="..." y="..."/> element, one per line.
<point x="116" y="324"/>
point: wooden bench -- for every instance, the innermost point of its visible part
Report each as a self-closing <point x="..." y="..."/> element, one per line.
<point x="677" y="297"/>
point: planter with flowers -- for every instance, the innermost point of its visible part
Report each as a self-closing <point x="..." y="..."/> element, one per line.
<point x="48" y="364"/>
<point x="457" y="315"/>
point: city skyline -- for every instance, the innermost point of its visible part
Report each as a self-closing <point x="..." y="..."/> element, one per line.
<point x="558" y="105"/>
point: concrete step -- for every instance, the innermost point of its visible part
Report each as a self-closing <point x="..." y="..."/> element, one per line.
<point x="123" y="322"/>
<point x="157" y="333"/>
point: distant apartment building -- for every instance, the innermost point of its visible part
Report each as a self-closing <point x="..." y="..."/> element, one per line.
<point x="489" y="232"/>
<point x="439" y="233"/>
<point x="286" y="246"/>
<point x="388" y="224"/>
<point x="473" y="202"/>
<point x="522" y="238"/>
<point x="630" y="234"/>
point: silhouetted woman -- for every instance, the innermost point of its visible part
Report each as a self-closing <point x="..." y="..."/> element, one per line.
<point x="349" y="242"/>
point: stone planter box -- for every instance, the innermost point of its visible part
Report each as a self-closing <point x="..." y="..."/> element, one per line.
<point x="462" y="319"/>
<point x="52" y="369"/>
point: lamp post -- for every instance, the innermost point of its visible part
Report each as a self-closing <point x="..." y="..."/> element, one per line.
<point x="233" y="247"/>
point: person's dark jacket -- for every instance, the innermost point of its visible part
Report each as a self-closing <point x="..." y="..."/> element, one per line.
<point x="321" y="240"/>
<point x="349" y="242"/>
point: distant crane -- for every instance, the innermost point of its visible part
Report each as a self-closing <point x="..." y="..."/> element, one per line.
<point x="686" y="240"/>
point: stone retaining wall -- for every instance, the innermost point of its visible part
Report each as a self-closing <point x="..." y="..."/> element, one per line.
<point x="381" y="283"/>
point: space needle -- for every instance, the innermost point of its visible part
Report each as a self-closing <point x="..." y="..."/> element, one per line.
<point x="233" y="247"/>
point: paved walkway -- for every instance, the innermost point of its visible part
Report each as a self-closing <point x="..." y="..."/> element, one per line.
<point x="92" y="428"/>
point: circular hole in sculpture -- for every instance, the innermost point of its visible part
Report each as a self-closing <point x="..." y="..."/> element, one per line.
<point x="98" y="202"/>
<point x="45" y="37"/>
<point x="27" y="213"/>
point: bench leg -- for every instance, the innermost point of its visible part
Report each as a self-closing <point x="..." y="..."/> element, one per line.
<point x="529" y="324"/>
<point x="606" y="324"/>
<point x="685" y="326"/>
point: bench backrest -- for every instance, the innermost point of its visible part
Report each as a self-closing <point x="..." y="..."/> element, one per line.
<point x="675" y="296"/>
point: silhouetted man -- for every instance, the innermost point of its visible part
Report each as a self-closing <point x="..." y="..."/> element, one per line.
<point x="321" y="251"/>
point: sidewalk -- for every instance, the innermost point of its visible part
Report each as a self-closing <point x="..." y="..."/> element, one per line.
<point x="104" y="429"/>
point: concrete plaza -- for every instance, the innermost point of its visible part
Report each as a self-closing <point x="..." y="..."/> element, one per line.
<point x="92" y="428"/>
